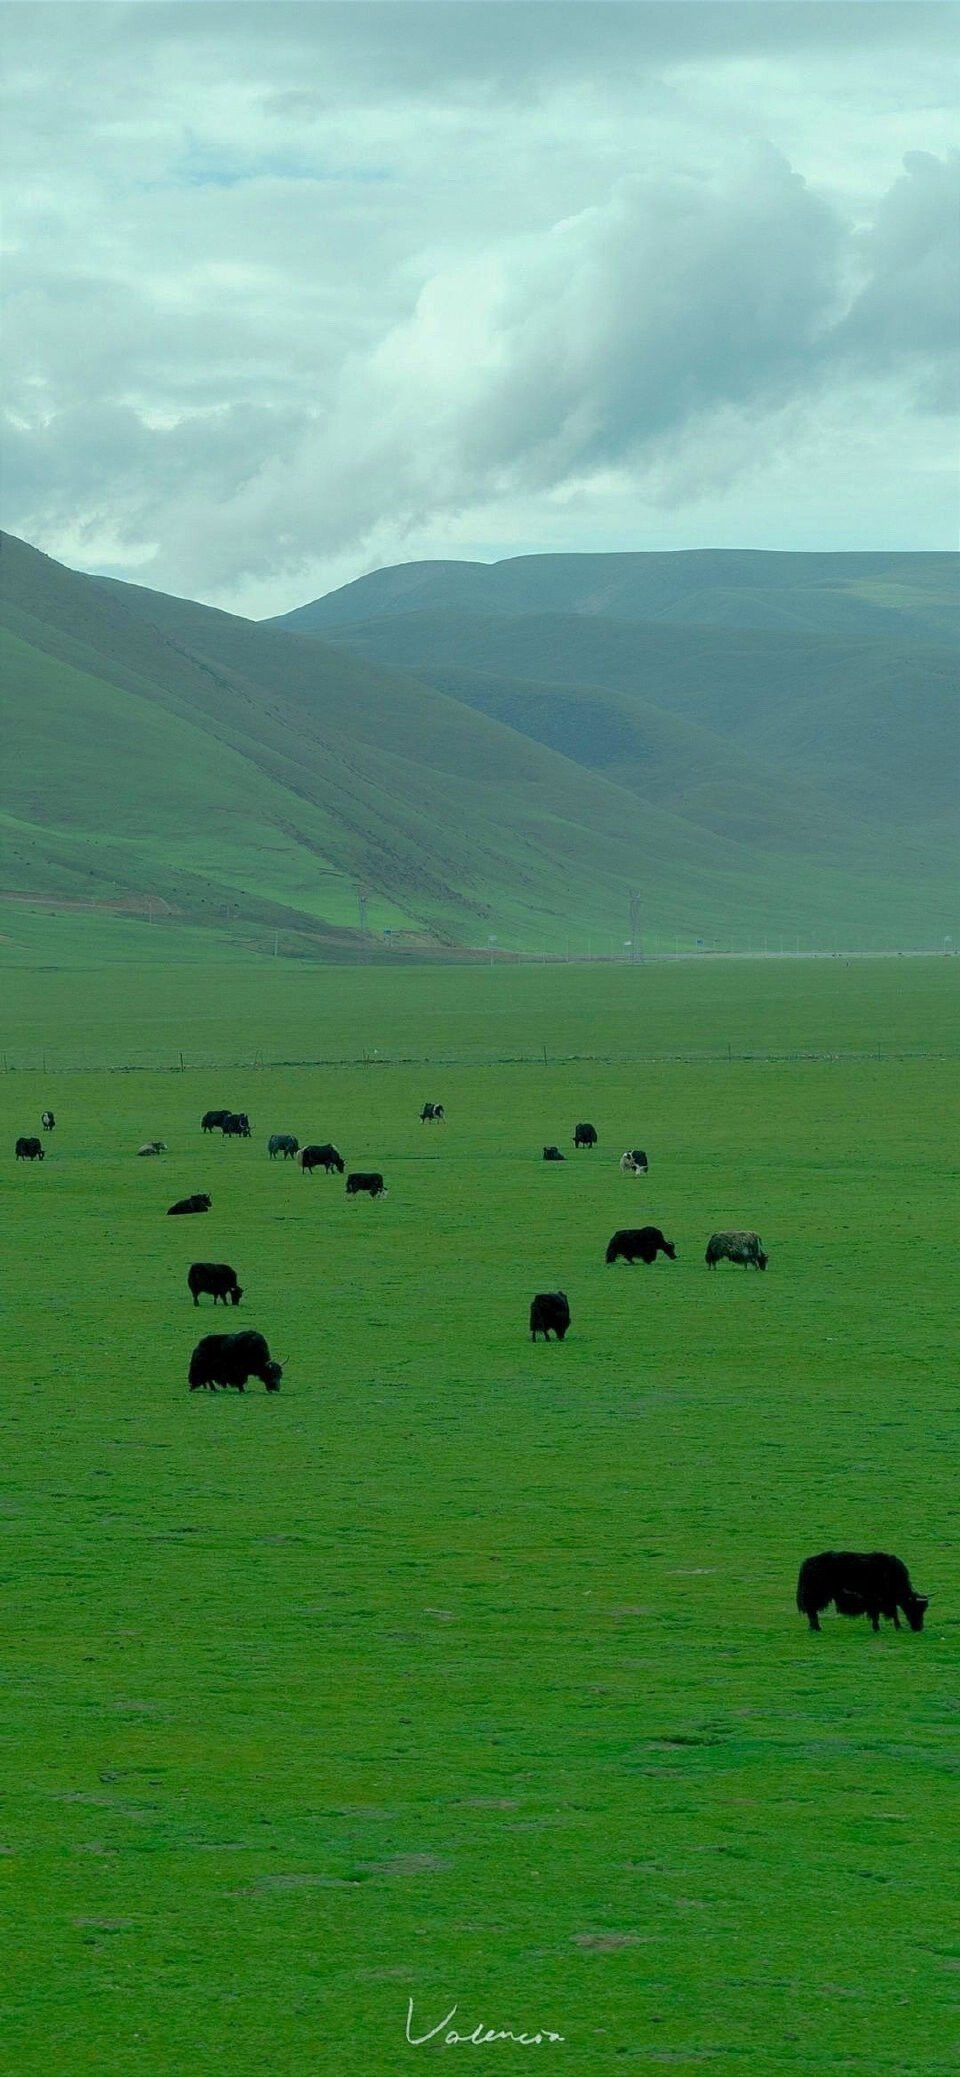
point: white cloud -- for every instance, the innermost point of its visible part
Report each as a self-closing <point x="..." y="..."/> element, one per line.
<point x="306" y="288"/>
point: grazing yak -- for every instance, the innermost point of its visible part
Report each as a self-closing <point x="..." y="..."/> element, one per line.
<point x="433" y="1113"/>
<point x="283" y="1143"/>
<point x="229" y="1359"/>
<point x="860" y="1583"/>
<point x="585" y="1136"/>
<point x="153" y="1146"/>
<point x="553" y="1154"/>
<point x="198" y="1203"/>
<point x="634" y="1162"/>
<point x="736" y="1247"/>
<point x="217" y="1278"/>
<point x="370" y="1183"/>
<point x="236" y="1125"/>
<point x="212" y="1121"/>
<point x="549" y="1311"/>
<point x="29" y="1150"/>
<point x="47" y="1120"/>
<point x="326" y="1158"/>
<point x="640" y="1244"/>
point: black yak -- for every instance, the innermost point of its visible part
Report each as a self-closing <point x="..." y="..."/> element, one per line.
<point x="585" y="1136"/>
<point x="432" y="1113"/>
<point x="282" y="1143"/>
<point x="236" y="1125"/>
<point x="859" y="1583"/>
<point x="217" y="1278"/>
<point x="326" y="1158"/>
<point x="198" y="1203"/>
<point x="553" y="1154"/>
<point x="229" y="1359"/>
<point x="549" y="1311"/>
<point x="640" y="1244"/>
<point x="29" y="1150"/>
<point x="371" y="1183"/>
<point x="212" y="1121"/>
<point x="736" y="1247"/>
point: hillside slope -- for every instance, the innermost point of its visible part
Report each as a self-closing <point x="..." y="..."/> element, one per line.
<point x="868" y="725"/>
<point x="164" y="758"/>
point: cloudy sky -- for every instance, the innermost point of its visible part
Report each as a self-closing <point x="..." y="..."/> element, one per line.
<point x="297" y="290"/>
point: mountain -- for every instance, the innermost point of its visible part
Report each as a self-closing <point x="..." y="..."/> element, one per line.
<point x="162" y="758"/>
<point x="912" y="597"/>
<point x="868" y="724"/>
<point x="797" y="704"/>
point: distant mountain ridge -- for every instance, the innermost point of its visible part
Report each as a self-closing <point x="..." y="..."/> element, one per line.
<point x="466" y="779"/>
<point x="911" y="595"/>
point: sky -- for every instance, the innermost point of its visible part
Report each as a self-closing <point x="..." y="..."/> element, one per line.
<point x="296" y="291"/>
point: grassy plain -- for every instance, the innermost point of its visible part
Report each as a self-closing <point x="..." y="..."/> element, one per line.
<point x="466" y="1670"/>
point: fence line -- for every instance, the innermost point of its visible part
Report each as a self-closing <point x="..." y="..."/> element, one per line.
<point x="724" y="1055"/>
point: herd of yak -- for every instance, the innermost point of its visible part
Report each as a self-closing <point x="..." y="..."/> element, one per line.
<point x="871" y="1583"/>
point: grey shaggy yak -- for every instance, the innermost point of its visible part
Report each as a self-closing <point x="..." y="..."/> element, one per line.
<point x="736" y="1247"/>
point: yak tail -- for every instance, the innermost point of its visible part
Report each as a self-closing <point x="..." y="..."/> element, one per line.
<point x="611" y="1254"/>
<point x="801" y="1585"/>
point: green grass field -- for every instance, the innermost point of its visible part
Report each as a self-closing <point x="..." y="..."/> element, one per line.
<point x="464" y="1670"/>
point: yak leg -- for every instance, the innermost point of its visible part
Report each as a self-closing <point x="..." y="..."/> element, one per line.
<point x="813" y="1618"/>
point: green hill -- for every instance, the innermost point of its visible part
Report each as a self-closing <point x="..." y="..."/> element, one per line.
<point x="899" y="595"/>
<point x="871" y="725"/>
<point x="165" y="760"/>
